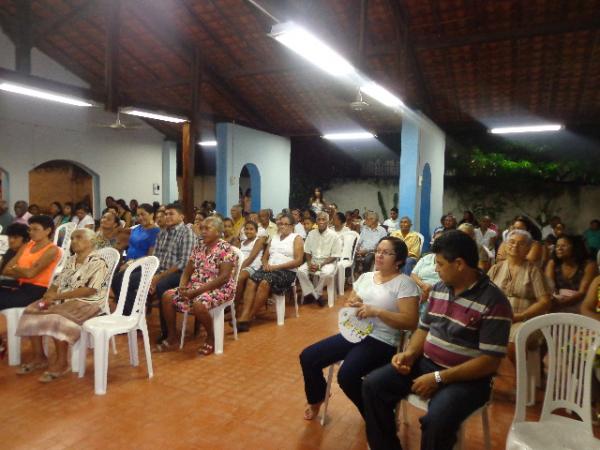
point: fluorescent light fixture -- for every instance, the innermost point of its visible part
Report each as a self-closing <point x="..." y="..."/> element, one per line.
<point x="311" y="48"/>
<point x="152" y="115"/>
<point x="350" y="136"/>
<point x="381" y="94"/>
<point x="44" y="95"/>
<point x="527" y="129"/>
<point x="208" y="143"/>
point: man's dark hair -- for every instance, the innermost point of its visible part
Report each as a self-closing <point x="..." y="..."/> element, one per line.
<point x="456" y="244"/>
<point x="44" y="221"/>
<point x="18" y="229"/>
<point x="176" y="206"/>
<point x="341" y="216"/>
<point x="147" y="207"/>
<point x="83" y="206"/>
<point x="312" y="215"/>
<point x="394" y="209"/>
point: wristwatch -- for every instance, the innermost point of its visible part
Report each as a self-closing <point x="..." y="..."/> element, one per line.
<point x="438" y="377"/>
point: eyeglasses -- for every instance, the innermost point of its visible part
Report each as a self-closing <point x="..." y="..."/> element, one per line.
<point x="284" y="224"/>
<point x="385" y="253"/>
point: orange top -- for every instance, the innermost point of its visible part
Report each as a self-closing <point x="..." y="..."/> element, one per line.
<point x="28" y="259"/>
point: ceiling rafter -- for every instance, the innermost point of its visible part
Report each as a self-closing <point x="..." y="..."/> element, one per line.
<point x="43" y="28"/>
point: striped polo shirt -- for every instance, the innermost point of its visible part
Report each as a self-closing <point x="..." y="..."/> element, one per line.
<point x="464" y="327"/>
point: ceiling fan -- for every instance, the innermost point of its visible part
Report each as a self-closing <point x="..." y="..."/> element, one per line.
<point x="118" y="125"/>
<point x="359" y="104"/>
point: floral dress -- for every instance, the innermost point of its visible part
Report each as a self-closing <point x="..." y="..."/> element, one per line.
<point x="206" y="268"/>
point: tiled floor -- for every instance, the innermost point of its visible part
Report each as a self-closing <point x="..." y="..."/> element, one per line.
<point x="251" y="397"/>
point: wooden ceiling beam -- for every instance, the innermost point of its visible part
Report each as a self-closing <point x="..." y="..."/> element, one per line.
<point x="111" y="66"/>
<point x="153" y="20"/>
<point x="41" y="29"/>
<point x="23" y="38"/>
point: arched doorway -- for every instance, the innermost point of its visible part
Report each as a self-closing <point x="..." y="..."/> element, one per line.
<point x="425" y="209"/>
<point x="4" y="185"/>
<point x="250" y="188"/>
<point x="63" y="181"/>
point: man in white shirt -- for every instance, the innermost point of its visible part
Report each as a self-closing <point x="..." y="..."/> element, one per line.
<point x="339" y="224"/>
<point x="484" y="235"/>
<point x="393" y="223"/>
<point x="321" y="250"/>
<point x="21" y="213"/>
<point x="370" y="235"/>
<point x="548" y="229"/>
<point x="265" y="226"/>
<point x="82" y="217"/>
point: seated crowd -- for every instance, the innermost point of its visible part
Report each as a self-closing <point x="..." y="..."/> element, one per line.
<point x="497" y="280"/>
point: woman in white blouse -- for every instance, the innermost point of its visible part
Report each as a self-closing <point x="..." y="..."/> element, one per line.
<point x="389" y="299"/>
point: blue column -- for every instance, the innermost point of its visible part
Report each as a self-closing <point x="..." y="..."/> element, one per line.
<point x="409" y="165"/>
<point x="222" y="171"/>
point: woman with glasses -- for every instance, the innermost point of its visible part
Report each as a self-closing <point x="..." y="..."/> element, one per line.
<point x="522" y="282"/>
<point x="389" y="299"/>
<point x="280" y="260"/>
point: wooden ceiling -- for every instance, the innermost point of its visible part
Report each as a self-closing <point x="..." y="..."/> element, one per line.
<point x="462" y="62"/>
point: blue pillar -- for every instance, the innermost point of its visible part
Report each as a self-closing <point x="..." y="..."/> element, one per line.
<point x="222" y="172"/>
<point x="409" y="166"/>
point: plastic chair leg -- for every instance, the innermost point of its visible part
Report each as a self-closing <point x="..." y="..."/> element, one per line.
<point x="233" y="321"/>
<point x="295" y="295"/>
<point x="74" y="350"/>
<point x="280" y="308"/>
<point x="327" y="393"/>
<point x="100" y="363"/>
<point x="183" y="327"/>
<point x="147" y="350"/>
<point x="330" y="293"/>
<point x="13" y="341"/>
<point x="133" y="348"/>
<point x="83" y="343"/>
<point x="218" y="317"/>
<point x="113" y="341"/>
<point x="341" y="279"/>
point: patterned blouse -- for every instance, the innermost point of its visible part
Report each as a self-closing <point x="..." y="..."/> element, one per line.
<point x="92" y="273"/>
<point x="206" y="268"/>
<point x="102" y="241"/>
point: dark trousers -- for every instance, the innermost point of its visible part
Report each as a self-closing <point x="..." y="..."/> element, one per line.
<point x="359" y="360"/>
<point x="383" y="388"/>
<point x="19" y="296"/>
<point x="168" y="282"/>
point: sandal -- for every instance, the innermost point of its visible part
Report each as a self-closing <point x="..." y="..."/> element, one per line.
<point x="164" y="347"/>
<point x="48" y="377"/>
<point x="206" y="349"/>
<point x="26" y="368"/>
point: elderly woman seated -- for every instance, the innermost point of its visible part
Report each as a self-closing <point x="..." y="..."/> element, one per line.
<point x="522" y="282"/>
<point x="537" y="250"/>
<point x="76" y="295"/>
<point x="389" y="299"/>
<point x="280" y="261"/>
<point x="208" y="281"/>
<point x="570" y="272"/>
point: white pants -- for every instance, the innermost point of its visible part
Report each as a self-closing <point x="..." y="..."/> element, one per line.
<point x="307" y="286"/>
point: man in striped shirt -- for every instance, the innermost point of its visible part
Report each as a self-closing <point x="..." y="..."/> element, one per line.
<point x="450" y="359"/>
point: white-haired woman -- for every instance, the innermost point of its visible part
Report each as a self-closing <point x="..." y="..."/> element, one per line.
<point x="75" y="296"/>
<point x="522" y="282"/>
<point x="208" y="281"/>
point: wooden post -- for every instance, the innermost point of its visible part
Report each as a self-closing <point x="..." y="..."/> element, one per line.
<point x="24" y="39"/>
<point x="188" y="158"/>
<point x="190" y="136"/>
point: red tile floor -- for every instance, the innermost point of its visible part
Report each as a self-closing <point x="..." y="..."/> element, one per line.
<point x="251" y="396"/>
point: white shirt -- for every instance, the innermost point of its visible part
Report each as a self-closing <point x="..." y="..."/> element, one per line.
<point x="247" y="249"/>
<point x="87" y="220"/>
<point x="547" y="231"/>
<point x="392" y="225"/>
<point x="484" y="238"/>
<point x="282" y="251"/>
<point x="299" y="229"/>
<point x="323" y="245"/>
<point x="344" y="229"/>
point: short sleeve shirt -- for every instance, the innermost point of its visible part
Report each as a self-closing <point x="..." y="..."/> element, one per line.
<point x="385" y="296"/>
<point x="141" y="240"/>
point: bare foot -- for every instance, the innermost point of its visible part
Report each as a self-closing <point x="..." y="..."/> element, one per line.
<point x="311" y="411"/>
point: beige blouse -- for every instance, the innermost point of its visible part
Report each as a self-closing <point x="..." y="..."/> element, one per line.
<point x="527" y="285"/>
<point x="92" y="273"/>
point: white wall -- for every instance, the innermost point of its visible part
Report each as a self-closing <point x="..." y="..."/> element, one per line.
<point x="270" y="153"/>
<point x="32" y="132"/>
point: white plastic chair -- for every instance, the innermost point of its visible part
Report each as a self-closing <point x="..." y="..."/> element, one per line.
<point x="572" y="341"/>
<point x="349" y="248"/>
<point x="218" y="313"/>
<point x="12" y="316"/>
<point x="102" y="328"/>
<point x="280" y="304"/>
<point x="422" y="239"/>
<point x="328" y="390"/>
<point x="111" y="256"/>
<point x="68" y="229"/>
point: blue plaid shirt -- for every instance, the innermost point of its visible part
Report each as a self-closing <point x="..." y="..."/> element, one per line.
<point x="174" y="247"/>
